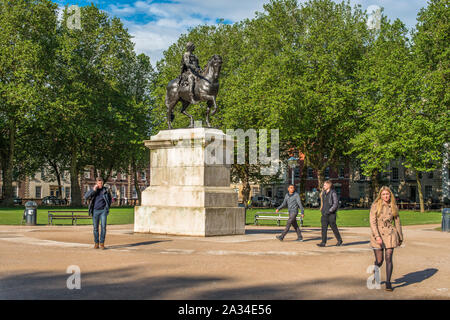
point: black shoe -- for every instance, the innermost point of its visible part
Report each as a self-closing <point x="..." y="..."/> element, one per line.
<point x="321" y="244"/>
<point x="388" y="287"/>
<point x="339" y="243"/>
<point x="299" y="240"/>
<point x="279" y="238"/>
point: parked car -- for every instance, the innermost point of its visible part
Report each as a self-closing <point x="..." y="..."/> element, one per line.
<point x="344" y="202"/>
<point x="52" y="200"/>
<point x="262" y="201"/>
<point x="276" y="202"/>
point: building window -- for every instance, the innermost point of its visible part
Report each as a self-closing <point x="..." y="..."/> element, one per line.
<point x="67" y="192"/>
<point x="341" y="172"/>
<point x="394" y="173"/>
<point x="430" y="175"/>
<point x="123" y="176"/>
<point x="428" y="192"/>
<point x="361" y="174"/>
<point x="114" y="191"/>
<point x="123" y="193"/>
<point x="296" y="173"/>
<point x="38" y="192"/>
<point x="395" y="191"/>
<point x="338" y="191"/>
<point x="362" y="192"/>
<point x="310" y="173"/>
<point x="280" y="193"/>
<point x="16" y="192"/>
<point x="143" y="175"/>
<point x="87" y="174"/>
<point x="327" y="172"/>
<point x="134" y="193"/>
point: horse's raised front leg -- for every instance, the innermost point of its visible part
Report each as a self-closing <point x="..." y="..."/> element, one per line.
<point x="215" y="106"/>
<point x="183" y="111"/>
<point x="211" y="103"/>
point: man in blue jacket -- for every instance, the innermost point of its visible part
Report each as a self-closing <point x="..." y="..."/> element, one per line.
<point x="100" y="201"/>
<point x="293" y="202"/>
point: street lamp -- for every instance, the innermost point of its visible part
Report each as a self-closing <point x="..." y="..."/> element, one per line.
<point x="292" y="162"/>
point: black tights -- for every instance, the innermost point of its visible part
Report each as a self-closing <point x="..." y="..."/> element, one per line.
<point x="388" y="257"/>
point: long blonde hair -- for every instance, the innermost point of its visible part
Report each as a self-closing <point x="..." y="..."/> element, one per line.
<point x="379" y="201"/>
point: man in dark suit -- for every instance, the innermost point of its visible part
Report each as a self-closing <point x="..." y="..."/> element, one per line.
<point x="328" y="206"/>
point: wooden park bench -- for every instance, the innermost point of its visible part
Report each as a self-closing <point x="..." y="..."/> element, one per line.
<point x="52" y="215"/>
<point x="276" y="216"/>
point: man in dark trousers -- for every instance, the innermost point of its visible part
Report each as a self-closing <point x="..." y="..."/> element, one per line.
<point x="293" y="202"/>
<point x="328" y="206"/>
<point x="100" y="198"/>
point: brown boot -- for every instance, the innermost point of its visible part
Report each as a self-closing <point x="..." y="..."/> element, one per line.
<point x="102" y="246"/>
<point x="96" y="246"/>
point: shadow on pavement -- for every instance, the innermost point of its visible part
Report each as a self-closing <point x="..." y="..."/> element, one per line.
<point x="274" y="231"/>
<point x="138" y="244"/>
<point x="355" y="243"/>
<point x="415" y="277"/>
<point x="131" y="284"/>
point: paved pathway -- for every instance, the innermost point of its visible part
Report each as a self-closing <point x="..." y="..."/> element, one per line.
<point x="34" y="262"/>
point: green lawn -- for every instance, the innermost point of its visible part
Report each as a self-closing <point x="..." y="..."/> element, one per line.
<point x="350" y="218"/>
<point x="125" y="215"/>
<point x="13" y="216"/>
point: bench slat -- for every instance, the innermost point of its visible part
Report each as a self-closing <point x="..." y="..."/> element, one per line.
<point x="276" y="216"/>
<point x="71" y="215"/>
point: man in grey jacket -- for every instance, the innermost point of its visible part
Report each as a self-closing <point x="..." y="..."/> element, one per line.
<point x="293" y="202"/>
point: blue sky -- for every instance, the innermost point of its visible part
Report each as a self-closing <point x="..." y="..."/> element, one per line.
<point x="156" y="24"/>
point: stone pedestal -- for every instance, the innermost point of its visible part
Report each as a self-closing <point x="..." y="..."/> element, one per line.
<point x="190" y="191"/>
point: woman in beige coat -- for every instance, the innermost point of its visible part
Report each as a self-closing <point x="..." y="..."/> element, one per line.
<point x="385" y="236"/>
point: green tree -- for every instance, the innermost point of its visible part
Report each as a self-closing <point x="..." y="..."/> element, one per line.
<point x="319" y="46"/>
<point x="402" y="113"/>
<point x="26" y="47"/>
<point x="94" y="102"/>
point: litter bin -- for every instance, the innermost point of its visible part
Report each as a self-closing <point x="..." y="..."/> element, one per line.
<point x="446" y="219"/>
<point x="30" y="213"/>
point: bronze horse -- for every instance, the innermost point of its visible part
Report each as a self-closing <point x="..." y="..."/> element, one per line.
<point x="205" y="89"/>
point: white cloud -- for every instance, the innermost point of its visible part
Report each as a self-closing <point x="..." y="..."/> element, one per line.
<point x="169" y="20"/>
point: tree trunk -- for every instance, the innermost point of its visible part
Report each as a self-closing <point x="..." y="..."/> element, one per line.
<point x="374" y="185"/>
<point x="320" y="179"/>
<point x="8" y="195"/>
<point x="136" y="183"/>
<point x="246" y="192"/>
<point x="107" y="174"/>
<point x="419" y="189"/>
<point x="58" y="177"/>
<point x="245" y="179"/>
<point x="74" y="183"/>
<point x="303" y="174"/>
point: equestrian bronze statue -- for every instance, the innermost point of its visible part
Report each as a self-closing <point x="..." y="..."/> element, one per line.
<point x="194" y="85"/>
